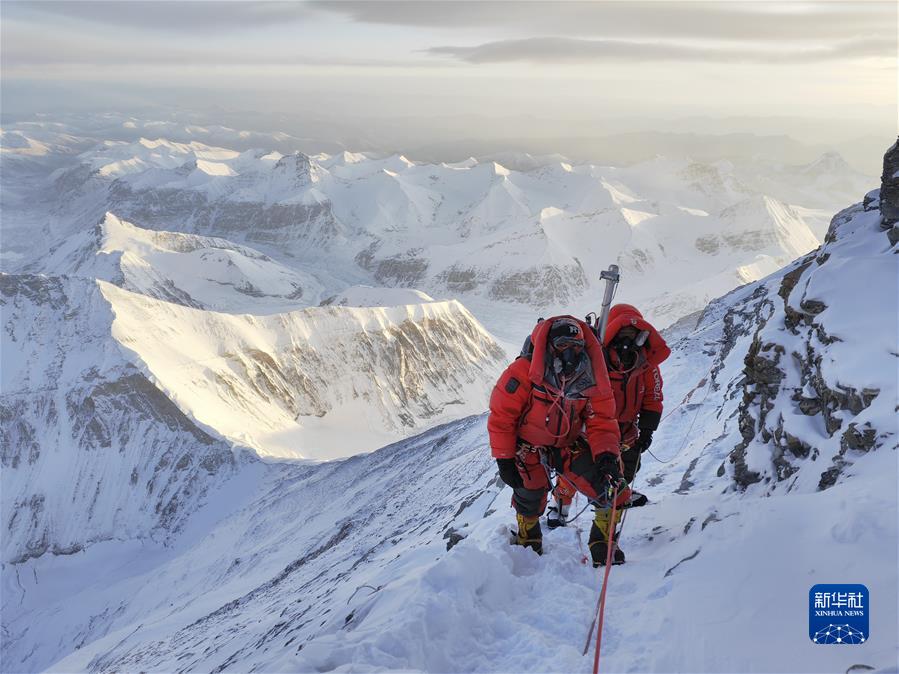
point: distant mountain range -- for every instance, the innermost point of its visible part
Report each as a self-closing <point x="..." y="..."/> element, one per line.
<point x="511" y="244"/>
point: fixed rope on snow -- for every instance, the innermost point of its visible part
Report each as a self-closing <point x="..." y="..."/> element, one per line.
<point x="605" y="583"/>
<point x="692" y="421"/>
<point x="599" y="613"/>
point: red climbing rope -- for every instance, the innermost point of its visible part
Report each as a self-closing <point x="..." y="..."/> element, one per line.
<point x="610" y="546"/>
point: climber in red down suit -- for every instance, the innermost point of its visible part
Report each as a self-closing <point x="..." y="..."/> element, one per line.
<point x="634" y="349"/>
<point x="553" y="407"/>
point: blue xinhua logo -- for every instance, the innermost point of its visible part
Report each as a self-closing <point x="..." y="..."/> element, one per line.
<point x="838" y="614"/>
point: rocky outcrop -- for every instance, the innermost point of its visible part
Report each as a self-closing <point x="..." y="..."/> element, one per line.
<point x="540" y="286"/>
<point x="292" y="227"/>
<point x="889" y="193"/>
<point x="802" y="400"/>
<point x="889" y="187"/>
<point x="297" y="168"/>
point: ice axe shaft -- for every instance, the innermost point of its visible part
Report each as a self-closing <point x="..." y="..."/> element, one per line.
<point x="611" y="277"/>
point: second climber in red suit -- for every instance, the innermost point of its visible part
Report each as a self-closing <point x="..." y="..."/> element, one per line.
<point x="634" y="349"/>
<point x="553" y="408"/>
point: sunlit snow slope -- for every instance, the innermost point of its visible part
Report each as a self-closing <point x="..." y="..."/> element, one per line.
<point x="320" y="382"/>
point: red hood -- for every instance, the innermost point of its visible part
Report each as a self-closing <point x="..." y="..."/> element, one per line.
<point x="623" y="315"/>
<point x="539" y="338"/>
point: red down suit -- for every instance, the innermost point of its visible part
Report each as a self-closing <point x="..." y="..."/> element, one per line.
<point x="638" y="389"/>
<point x="535" y="412"/>
<point x="525" y="406"/>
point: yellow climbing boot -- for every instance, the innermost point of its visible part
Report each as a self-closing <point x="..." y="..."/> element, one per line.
<point x="529" y="534"/>
<point x="599" y="538"/>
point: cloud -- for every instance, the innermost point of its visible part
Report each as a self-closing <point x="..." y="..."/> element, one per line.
<point x="554" y="50"/>
<point x="723" y="20"/>
<point x="27" y="46"/>
<point x="189" y="16"/>
<point x="20" y="52"/>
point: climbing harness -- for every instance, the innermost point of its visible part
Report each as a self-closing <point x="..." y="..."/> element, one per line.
<point x="549" y="476"/>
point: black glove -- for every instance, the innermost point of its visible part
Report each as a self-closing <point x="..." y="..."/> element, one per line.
<point x="508" y="473"/>
<point x="605" y="473"/>
<point x="606" y="465"/>
<point x="644" y="441"/>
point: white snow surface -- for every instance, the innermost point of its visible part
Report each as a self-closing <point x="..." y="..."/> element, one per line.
<point x="367" y="584"/>
<point x="350" y="566"/>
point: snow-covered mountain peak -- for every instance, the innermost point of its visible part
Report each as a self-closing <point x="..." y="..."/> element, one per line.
<point x="500" y="170"/>
<point x="92" y="451"/>
<point x="297" y="168"/>
<point x="15" y="143"/>
<point x="213" y="168"/>
<point x="195" y="271"/>
<point x="761" y="222"/>
<point x="155" y="144"/>
<point x="808" y="351"/>
<point x="459" y="165"/>
<point x="140" y="402"/>
<point x="470" y="230"/>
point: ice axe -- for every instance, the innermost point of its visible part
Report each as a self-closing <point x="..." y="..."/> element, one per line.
<point x="611" y="277"/>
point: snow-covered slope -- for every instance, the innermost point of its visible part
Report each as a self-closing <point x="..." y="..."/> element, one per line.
<point x="820" y="372"/>
<point x="369" y="584"/>
<point x="196" y="271"/>
<point x="773" y="470"/>
<point x="319" y="382"/>
<point x="510" y="244"/>
<point x="810" y="353"/>
<point x="91" y="449"/>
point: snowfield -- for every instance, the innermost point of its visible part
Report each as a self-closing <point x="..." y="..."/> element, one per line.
<point x="773" y="470"/>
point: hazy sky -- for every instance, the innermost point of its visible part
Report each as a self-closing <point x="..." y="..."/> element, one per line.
<point x="556" y="63"/>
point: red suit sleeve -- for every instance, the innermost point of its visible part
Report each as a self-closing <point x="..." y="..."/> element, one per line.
<point x="651" y="407"/>
<point x="652" y="399"/>
<point x="507" y="402"/>
<point x="602" y="426"/>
